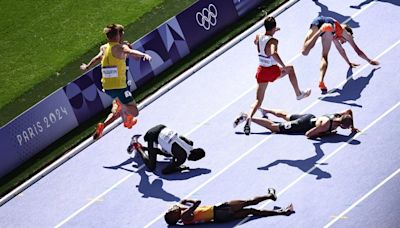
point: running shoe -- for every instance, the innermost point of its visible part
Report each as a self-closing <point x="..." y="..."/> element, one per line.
<point x="304" y="94"/>
<point x="130" y="121"/>
<point x="272" y="192"/>
<point x="99" y="131"/>
<point x="263" y="113"/>
<point x="246" y="128"/>
<point x="240" y="119"/>
<point x="323" y="88"/>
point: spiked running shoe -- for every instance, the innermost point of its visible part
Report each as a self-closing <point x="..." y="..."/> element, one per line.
<point x="240" y="119"/>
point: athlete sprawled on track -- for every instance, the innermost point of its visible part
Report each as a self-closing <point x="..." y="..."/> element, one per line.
<point x="268" y="69"/>
<point x="307" y="124"/>
<point x="190" y="212"/>
<point x="171" y="145"/>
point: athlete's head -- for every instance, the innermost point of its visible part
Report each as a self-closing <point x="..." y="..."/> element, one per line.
<point x="348" y="29"/>
<point x="196" y="154"/>
<point x="173" y="215"/>
<point x="270" y="24"/>
<point x="346" y="121"/>
<point x="114" y="32"/>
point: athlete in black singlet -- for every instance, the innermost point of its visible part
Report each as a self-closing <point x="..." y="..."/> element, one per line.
<point x="306" y="124"/>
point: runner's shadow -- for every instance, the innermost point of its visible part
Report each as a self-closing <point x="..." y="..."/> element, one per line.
<point x="149" y="190"/>
<point x="351" y="91"/>
<point x="154" y="189"/>
<point x="337" y="16"/>
<point x="184" y="175"/>
<point x="135" y="159"/>
<point x="254" y="133"/>
<point x="311" y="165"/>
<point x="232" y="223"/>
<point x="304" y="164"/>
<point x="394" y="2"/>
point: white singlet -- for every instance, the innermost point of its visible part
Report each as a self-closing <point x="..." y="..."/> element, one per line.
<point x="167" y="137"/>
<point x="263" y="59"/>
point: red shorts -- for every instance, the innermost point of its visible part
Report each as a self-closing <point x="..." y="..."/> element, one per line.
<point x="267" y="74"/>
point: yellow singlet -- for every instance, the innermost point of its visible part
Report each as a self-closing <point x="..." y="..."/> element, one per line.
<point x="113" y="70"/>
<point x="202" y="214"/>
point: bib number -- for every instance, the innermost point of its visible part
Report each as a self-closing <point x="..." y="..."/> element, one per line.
<point x="127" y="94"/>
<point x="110" y="72"/>
<point x="287" y="125"/>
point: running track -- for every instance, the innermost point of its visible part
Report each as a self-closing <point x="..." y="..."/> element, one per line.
<point x="340" y="181"/>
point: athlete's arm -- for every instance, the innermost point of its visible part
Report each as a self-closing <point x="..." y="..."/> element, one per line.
<point x="315" y="132"/>
<point x="135" y="53"/>
<point x="342" y="52"/>
<point x="272" y="49"/>
<point x="94" y="60"/>
<point x="359" y="52"/>
<point x="187" y="214"/>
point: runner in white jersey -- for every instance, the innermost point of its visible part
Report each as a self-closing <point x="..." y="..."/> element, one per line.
<point x="268" y="71"/>
<point x="167" y="142"/>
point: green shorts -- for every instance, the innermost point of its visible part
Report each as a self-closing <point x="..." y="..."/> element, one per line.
<point x="124" y="95"/>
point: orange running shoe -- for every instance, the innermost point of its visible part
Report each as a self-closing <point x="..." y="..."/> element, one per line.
<point x="99" y="131"/>
<point x="130" y="121"/>
<point x="323" y="87"/>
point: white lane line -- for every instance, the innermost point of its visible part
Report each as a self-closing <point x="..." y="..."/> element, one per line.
<point x="265" y="139"/>
<point x="327" y="158"/>
<point x="362" y="198"/>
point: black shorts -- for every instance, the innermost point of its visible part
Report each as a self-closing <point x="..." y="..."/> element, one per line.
<point x="297" y="124"/>
<point x="223" y="212"/>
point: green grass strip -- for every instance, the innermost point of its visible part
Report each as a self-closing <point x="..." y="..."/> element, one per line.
<point x="76" y="136"/>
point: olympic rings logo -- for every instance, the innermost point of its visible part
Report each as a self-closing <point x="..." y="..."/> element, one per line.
<point x="207" y="17"/>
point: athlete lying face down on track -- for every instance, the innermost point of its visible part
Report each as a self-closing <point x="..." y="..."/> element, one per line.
<point x="164" y="141"/>
<point x="307" y="124"/>
<point x="190" y="212"/>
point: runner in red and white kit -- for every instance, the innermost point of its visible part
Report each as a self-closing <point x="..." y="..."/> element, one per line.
<point x="268" y="71"/>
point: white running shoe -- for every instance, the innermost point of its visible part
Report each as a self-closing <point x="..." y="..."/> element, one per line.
<point x="304" y="94"/>
<point x="240" y="119"/>
<point x="263" y="113"/>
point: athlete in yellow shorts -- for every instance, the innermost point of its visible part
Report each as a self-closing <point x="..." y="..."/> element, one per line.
<point x="190" y="212"/>
<point x="113" y="67"/>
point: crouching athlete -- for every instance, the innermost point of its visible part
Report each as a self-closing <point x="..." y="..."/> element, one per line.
<point x="164" y="141"/>
<point x="190" y="212"/>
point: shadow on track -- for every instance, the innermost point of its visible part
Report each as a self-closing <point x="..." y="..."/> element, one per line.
<point x="311" y="164"/>
<point x="351" y="91"/>
<point x="339" y="17"/>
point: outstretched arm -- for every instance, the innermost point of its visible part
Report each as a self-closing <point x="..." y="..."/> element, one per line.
<point x="342" y="52"/>
<point x="359" y="52"/>
<point x="136" y="53"/>
<point x="94" y="60"/>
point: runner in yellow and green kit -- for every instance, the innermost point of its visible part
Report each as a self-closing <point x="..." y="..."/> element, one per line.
<point x="113" y="67"/>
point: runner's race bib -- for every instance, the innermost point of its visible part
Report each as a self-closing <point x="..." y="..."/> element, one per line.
<point x="110" y="72"/>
